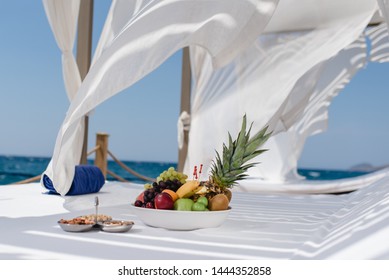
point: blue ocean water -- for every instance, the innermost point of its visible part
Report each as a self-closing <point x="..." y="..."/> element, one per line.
<point x="17" y="168"/>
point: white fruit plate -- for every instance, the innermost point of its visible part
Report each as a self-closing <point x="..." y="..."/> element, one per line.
<point x="180" y="220"/>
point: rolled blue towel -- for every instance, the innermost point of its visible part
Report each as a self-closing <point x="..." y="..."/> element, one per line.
<point x="87" y="179"/>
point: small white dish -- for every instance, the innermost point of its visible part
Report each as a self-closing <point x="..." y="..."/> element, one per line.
<point x="180" y="220"/>
<point x="116" y="226"/>
<point x="75" y="227"/>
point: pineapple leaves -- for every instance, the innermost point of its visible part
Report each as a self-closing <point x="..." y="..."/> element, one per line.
<point x="257" y="140"/>
<point x="240" y="146"/>
<point x="254" y="154"/>
<point x="231" y="167"/>
<point x="227" y="153"/>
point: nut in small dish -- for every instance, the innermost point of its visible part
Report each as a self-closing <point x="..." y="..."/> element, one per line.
<point x="100" y="217"/>
<point x="76" y="224"/>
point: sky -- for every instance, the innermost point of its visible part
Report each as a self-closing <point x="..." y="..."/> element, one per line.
<point x="142" y="120"/>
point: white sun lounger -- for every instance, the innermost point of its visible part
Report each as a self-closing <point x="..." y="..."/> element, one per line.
<point x="260" y="226"/>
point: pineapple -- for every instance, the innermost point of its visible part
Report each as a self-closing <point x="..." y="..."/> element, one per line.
<point x="231" y="167"/>
<point x="226" y="170"/>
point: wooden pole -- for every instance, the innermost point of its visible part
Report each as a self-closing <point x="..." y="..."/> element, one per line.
<point x="102" y="153"/>
<point x="84" y="56"/>
<point x="185" y="104"/>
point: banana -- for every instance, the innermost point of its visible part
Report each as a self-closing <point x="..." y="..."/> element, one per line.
<point x="188" y="189"/>
<point x="201" y="190"/>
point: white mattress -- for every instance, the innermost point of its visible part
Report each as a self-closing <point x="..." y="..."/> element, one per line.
<point x="260" y="226"/>
<point x="312" y="186"/>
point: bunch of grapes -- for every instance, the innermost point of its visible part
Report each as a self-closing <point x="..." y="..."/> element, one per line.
<point x="173" y="185"/>
<point x="172" y="174"/>
<point x="149" y="195"/>
<point x="169" y="179"/>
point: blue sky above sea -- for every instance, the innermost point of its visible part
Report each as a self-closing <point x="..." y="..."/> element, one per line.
<point x="142" y="120"/>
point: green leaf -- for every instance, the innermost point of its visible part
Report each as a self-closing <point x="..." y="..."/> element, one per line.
<point x="226" y="157"/>
<point x="261" y="136"/>
<point x="236" y="171"/>
<point x="253" y="155"/>
<point x="231" y="167"/>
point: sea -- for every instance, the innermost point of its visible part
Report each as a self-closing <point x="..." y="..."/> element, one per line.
<point x="17" y="168"/>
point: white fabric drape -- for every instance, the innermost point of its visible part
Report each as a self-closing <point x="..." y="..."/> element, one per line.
<point x="63" y="17"/>
<point x="384" y="8"/>
<point x="120" y="13"/>
<point x="379" y="41"/>
<point x="328" y="78"/>
<point x="154" y="33"/>
<point x="260" y="81"/>
<point x="285" y="148"/>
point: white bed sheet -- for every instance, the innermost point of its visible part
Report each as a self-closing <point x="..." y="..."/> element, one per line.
<point x="312" y="186"/>
<point x="260" y="226"/>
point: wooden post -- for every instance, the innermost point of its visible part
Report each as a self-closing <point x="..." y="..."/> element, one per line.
<point x="102" y="153"/>
<point x="84" y="56"/>
<point x="185" y="103"/>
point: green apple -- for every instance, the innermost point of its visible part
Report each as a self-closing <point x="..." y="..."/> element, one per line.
<point x="203" y="200"/>
<point x="183" y="204"/>
<point x="197" y="206"/>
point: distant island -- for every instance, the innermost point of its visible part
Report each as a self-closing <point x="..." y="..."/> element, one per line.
<point x="367" y="167"/>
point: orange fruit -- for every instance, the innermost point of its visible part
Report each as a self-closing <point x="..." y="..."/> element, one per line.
<point x="173" y="194"/>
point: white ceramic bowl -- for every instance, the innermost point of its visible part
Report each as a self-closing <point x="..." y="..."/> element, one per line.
<point x="180" y="220"/>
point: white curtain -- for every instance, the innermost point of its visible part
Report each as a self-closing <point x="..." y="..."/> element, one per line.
<point x="311" y="115"/>
<point x="63" y="17"/>
<point x="280" y="162"/>
<point x="261" y="81"/>
<point x="120" y="14"/>
<point x="379" y="41"/>
<point x="155" y="32"/>
<point x="384" y="9"/>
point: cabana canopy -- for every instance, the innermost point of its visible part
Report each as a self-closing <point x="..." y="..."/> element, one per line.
<point x="276" y="78"/>
<point x="131" y="47"/>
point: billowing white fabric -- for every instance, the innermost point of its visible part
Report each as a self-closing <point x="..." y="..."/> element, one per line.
<point x="121" y="11"/>
<point x="303" y="15"/>
<point x="260" y="81"/>
<point x="63" y="17"/>
<point x="280" y="162"/>
<point x="379" y="40"/>
<point x="384" y="9"/>
<point x="153" y="34"/>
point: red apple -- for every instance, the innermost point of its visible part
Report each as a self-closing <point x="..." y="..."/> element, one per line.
<point x="163" y="201"/>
